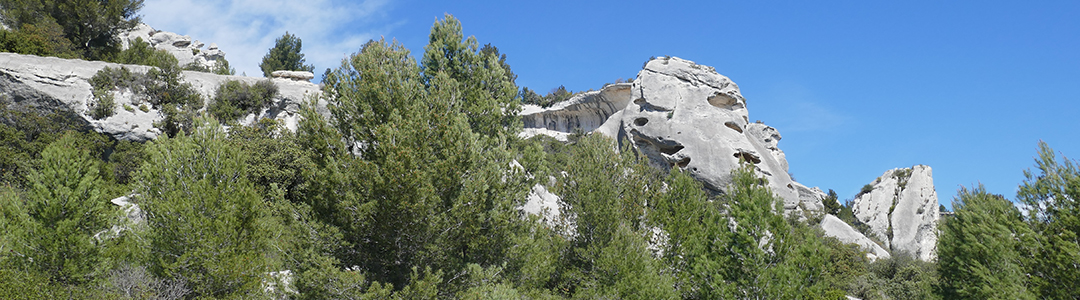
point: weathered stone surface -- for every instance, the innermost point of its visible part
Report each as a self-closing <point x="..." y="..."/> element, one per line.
<point x="837" y="228"/>
<point x="186" y="50"/>
<point x="63" y="84"/>
<point x="688" y="116"/>
<point x="902" y="211"/>
<point x="293" y="75"/>
<point x="679" y="114"/>
<point x="586" y="111"/>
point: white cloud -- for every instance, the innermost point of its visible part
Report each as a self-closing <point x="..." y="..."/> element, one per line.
<point x="246" y="29"/>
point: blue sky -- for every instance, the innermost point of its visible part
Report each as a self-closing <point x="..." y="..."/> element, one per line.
<point x="855" y="87"/>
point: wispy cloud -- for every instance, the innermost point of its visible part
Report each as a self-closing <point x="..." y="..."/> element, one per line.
<point x="246" y="29"/>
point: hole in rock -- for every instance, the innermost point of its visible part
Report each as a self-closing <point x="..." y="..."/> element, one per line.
<point x="732" y="125"/>
<point x="639" y="101"/>
<point x="721" y="100"/>
<point x="670" y="149"/>
<point x="641" y="121"/>
<point x="682" y="163"/>
<point x="749" y="157"/>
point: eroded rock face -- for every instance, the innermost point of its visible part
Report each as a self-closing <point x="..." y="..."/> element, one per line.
<point x="589" y="111"/>
<point x="57" y="84"/>
<point x="902" y="211"/>
<point x="688" y="116"/>
<point x="186" y="50"/>
<point x="680" y="114"/>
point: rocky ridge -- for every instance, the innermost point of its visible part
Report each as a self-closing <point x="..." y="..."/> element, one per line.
<point x="901" y="210"/>
<point x="56" y="84"/>
<point x="186" y="50"/>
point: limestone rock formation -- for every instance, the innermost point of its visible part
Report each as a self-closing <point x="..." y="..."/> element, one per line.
<point x="55" y="84"/>
<point x="837" y="228"/>
<point x="589" y="111"/>
<point x="186" y="50"/>
<point x="680" y="114"/>
<point x="293" y="75"/>
<point x="902" y="211"/>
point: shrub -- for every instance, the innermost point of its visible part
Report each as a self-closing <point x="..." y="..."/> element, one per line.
<point x="866" y="189"/>
<point x="285" y="56"/>
<point x="91" y="26"/>
<point x="162" y="88"/>
<point x="234" y="99"/>
<point x="104" y="105"/>
<point x="46" y="39"/>
<point x="141" y="53"/>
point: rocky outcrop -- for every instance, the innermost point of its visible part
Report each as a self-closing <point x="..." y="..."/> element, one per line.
<point x="186" y="50"/>
<point x="587" y="112"/>
<point x="834" y="227"/>
<point x="680" y="114"/>
<point x="293" y="75"/>
<point x="56" y="84"/>
<point x="901" y="210"/>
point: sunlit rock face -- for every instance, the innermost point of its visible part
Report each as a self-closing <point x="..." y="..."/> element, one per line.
<point x="834" y="227"/>
<point x="681" y="115"/>
<point x="902" y="211"/>
<point x="186" y="50"/>
<point x="685" y="115"/>
<point x="55" y="84"/>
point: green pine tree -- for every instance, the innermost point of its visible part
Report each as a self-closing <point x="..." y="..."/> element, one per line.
<point x="207" y="223"/>
<point x="980" y="249"/>
<point x="1051" y="196"/>
<point x="285" y="55"/>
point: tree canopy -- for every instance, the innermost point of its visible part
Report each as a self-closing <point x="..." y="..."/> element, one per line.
<point x="285" y="55"/>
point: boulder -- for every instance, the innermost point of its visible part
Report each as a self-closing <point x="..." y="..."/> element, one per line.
<point x="901" y="210"/>
<point x="293" y="75"/>
<point x="834" y="227"/>
<point x="57" y="84"/>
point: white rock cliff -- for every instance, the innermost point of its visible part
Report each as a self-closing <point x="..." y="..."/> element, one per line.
<point x="902" y="211"/>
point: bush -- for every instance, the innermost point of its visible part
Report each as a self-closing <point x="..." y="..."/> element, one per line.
<point x="866" y="189"/>
<point x="235" y="99"/>
<point x="141" y="53"/>
<point x="46" y="39"/>
<point x="104" y="105"/>
<point x="162" y="88"/>
<point x="90" y="26"/>
<point x="285" y="56"/>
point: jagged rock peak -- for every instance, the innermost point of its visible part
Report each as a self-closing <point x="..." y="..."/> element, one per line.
<point x="901" y="209"/>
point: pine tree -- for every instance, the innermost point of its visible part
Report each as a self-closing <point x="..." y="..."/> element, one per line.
<point x="52" y="229"/>
<point x="285" y="55"/>
<point x="91" y="25"/>
<point x="207" y="223"/>
<point x="980" y="249"/>
<point x="1053" y="212"/>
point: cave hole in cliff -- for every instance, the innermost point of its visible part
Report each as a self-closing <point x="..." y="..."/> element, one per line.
<point x="641" y="121"/>
<point x="749" y="157"/>
<point x="734" y="126"/>
<point x="721" y="100"/>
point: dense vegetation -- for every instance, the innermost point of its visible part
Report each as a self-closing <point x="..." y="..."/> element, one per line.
<point x="413" y="190"/>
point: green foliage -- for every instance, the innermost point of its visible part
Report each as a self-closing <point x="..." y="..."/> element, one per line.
<point x="104" y="105"/>
<point x="91" y="26"/>
<point x="473" y="81"/>
<point x="44" y="39"/>
<point x="897" y="277"/>
<point x="1051" y="196"/>
<point x="556" y="95"/>
<point x="866" y="189"/>
<point x="24" y="133"/>
<point x="53" y="224"/>
<point x="207" y="223"/>
<point x="285" y="55"/>
<point x="141" y="53"/>
<point x="832" y="204"/>
<point x="980" y="250"/>
<point x="234" y="99"/>
<point x="161" y="87"/>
